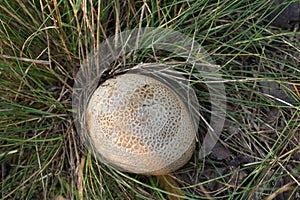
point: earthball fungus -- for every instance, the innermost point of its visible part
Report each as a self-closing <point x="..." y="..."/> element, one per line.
<point x="140" y="125"/>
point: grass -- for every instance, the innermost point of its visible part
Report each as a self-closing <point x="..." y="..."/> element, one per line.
<point x="43" y="44"/>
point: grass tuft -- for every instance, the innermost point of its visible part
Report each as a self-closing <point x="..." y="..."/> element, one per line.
<point x="42" y="46"/>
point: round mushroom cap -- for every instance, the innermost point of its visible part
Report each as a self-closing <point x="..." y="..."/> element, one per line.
<point x="140" y="125"/>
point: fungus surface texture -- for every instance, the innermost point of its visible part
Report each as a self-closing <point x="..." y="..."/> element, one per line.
<point x="140" y="125"/>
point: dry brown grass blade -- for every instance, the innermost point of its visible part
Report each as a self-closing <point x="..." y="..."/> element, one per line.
<point x="35" y="61"/>
<point x="169" y="184"/>
<point x="205" y="192"/>
<point x="63" y="40"/>
<point x="284" y="188"/>
<point x="80" y="177"/>
<point x="60" y="198"/>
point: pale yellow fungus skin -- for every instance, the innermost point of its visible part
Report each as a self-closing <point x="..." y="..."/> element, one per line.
<point x="140" y="125"/>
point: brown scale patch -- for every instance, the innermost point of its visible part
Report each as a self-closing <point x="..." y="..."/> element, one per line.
<point x="132" y="144"/>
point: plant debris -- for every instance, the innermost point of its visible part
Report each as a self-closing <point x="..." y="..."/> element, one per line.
<point x="219" y="152"/>
<point x="4" y="170"/>
<point x="284" y="14"/>
<point x="281" y="93"/>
